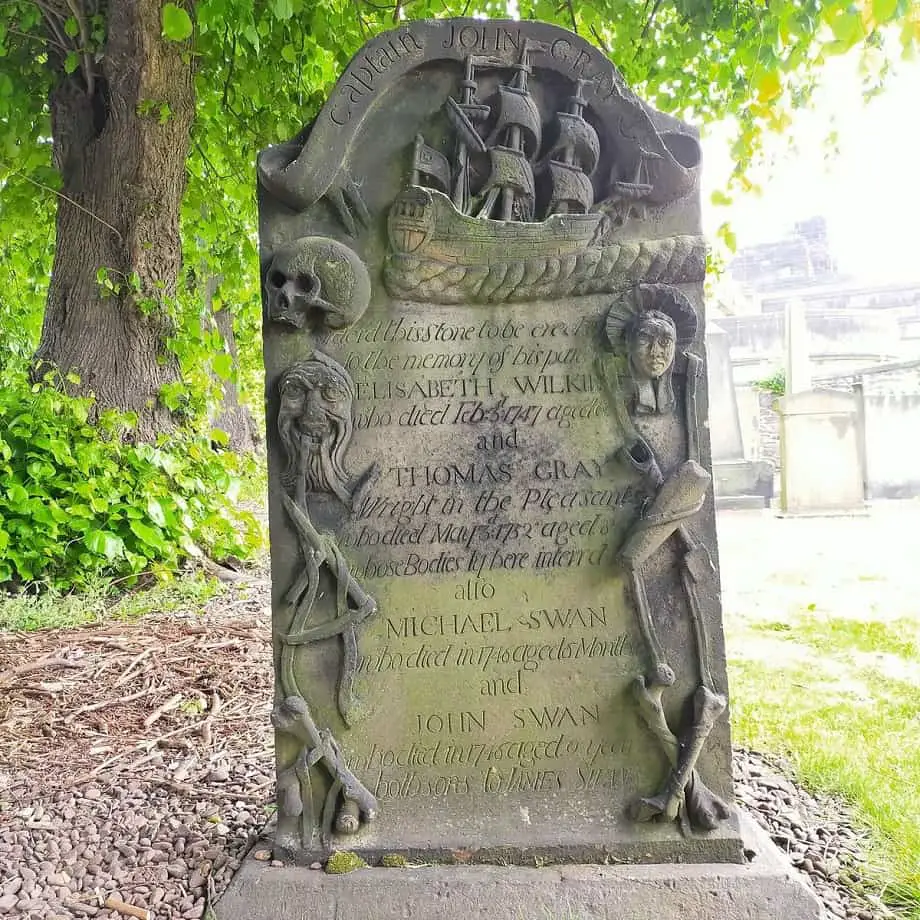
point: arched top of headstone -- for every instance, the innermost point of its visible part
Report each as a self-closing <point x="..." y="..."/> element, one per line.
<point x="627" y="145"/>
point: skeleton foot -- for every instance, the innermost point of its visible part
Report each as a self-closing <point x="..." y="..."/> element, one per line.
<point x="348" y="820"/>
<point x="705" y="809"/>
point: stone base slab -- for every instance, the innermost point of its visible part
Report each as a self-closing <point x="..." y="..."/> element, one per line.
<point x="763" y="889"/>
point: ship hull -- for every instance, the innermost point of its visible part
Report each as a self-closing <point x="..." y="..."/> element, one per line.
<point x="424" y="222"/>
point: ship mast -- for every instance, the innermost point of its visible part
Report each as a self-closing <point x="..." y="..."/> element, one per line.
<point x="577" y="105"/>
<point x="518" y="123"/>
<point x="572" y="159"/>
<point x="514" y="131"/>
<point x="462" y="185"/>
<point x="463" y="116"/>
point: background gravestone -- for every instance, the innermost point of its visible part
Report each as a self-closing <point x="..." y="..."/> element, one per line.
<point x="496" y="606"/>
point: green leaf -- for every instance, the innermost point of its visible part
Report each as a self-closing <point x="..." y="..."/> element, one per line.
<point x="884" y="10"/>
<point x="223" y="365"/>
<point x="288" y="54"/>
<point x="17" y="495"/>
<point x="848" y="29"/>
<point x="71" y="62"/>
<point x="72" y="27"/>
<point x="149" y="535"/>
<point x="104" y="543"/>
<point x="177" y="24"/>
<point x="155" y="510"/>
<point x="769" y="87"/>
<point x="283" y="9"/>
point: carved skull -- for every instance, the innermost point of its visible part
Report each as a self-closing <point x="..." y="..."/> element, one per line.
<point x="316" y="281"/>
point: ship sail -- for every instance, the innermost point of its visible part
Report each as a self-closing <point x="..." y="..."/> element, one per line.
<point x="510" y="171"/>
<point x="577" y="135"/>
<point x="513" y="142"/>
<point x="431" y="163"/>
<point x="461" y="116"/>
<point x="572" y="190"/>
<point x="518" y="110"/>
<point x="572" y="159"/>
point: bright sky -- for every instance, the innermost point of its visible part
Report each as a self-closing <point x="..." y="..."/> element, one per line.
<point x="869" y="192"/>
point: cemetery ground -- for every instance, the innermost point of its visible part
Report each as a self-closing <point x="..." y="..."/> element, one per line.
<point x="135" y="750"/>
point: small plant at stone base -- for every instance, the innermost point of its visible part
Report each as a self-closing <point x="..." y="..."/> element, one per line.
<point x="394" y="861"/>
<point x="79" y="502"/>
<point x="775" y="383"/>
<point x="343" y="861"/>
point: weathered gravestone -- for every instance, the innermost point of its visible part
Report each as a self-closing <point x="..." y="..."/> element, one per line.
<point x="495" y="593"/>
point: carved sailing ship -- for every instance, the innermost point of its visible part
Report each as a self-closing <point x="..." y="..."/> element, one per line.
<point x="499" y="221"/>
<point x="444" y="219"/>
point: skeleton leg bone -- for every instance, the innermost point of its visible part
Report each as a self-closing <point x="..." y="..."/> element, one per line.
<point x="661" y="673"/>
<point x="696" y="565"/>
<point x="293" y="716"/>
<point x="704" y="808"/>
<point x="708" y="705"/>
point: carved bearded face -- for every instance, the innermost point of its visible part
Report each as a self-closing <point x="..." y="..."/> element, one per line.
<point x="315" y="424"/>
<point x="652" y="345"/>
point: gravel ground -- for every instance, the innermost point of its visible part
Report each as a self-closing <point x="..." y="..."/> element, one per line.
<point x="136" y="763"/>
<point x="135" y="759"/>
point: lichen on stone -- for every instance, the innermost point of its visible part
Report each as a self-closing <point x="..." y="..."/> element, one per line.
<point x="394" y="861"/>
<point x="343" y="861"/>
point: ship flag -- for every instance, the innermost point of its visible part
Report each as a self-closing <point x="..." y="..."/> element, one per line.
<point x="431" y="163"/>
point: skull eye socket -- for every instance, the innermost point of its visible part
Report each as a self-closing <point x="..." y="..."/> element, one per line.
<point x="306" y="281"/>
<point x="277" y="279"/>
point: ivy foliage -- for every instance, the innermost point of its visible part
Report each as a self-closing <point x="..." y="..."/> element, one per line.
<point x="79" y="502"/>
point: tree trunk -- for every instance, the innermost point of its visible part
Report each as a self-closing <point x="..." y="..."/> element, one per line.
<point x="121" y="155"/>
<point x="234" y="420"/>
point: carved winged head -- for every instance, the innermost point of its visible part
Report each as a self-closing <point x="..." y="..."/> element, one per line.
<point x="652" y="343"/>
<point x="316" y="281"/>
<point x="650" y="325"/>
<point x="315" y="425"/>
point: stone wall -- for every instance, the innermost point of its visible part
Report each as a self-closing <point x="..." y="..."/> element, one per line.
<point x="839" y="342"/>
<point x="891" y="413"/>
<point x="887" y="379"/>
<point x="768" y="429"/>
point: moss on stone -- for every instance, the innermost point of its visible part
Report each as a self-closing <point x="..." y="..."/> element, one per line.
<point x="344" y="861"/>
<point x="394" y="861"/>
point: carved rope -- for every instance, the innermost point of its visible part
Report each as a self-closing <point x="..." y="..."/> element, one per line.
<point x="676" y="259"/>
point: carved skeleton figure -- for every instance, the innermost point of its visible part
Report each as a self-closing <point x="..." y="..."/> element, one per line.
<point x="315" y="428"/>
<point x="652" y="327"/>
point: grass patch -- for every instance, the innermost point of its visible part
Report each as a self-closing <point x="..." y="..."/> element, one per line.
<point x="850" y="730"/>
<point x="51" y="609"/>
<point x="843" y="635"/>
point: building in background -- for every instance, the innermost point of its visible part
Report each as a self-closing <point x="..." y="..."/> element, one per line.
<point x="861" y="337"/>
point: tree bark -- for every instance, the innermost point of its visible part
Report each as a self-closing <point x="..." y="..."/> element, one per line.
<point x="234" y="420"/>
<point x="122" y="157"/>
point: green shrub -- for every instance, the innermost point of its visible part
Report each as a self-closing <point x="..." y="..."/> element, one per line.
<point x="775" y="383"/>
<point x="78" y="501"/>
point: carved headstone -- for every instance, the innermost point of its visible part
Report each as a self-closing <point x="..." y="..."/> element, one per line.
<point x="496" y="601"/>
